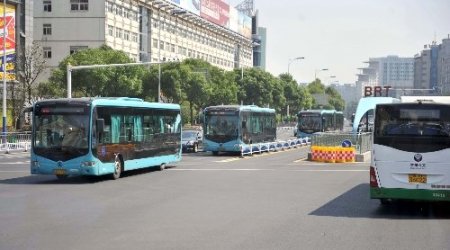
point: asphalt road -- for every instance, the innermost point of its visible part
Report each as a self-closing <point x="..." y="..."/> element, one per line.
<point x="269" y="201"/>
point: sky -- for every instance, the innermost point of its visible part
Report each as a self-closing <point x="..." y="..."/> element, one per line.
<point x="340" y="35"/>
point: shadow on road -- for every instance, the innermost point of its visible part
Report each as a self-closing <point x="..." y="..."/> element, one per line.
<point x="51" y="179"/>
<point x="356" y="203"/>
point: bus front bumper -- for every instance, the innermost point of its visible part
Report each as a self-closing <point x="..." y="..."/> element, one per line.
<point x="410" y="194"/>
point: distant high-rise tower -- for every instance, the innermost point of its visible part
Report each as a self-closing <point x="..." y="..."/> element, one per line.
<point x="394" y="71"/>
<point x="425" y="67"/>
<point x="444" y="66"/>
<point x="259" y="56"/>
<point x="258" y="35"/>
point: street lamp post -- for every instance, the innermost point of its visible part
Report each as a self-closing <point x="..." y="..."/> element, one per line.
<point x="331" y="77"/>
<point x="159" y="49"/>
<point x="292" y="60"/>
<point x="318" y="70"/>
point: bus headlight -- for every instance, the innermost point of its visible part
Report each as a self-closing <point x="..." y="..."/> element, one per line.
<point x="88" y="163"/>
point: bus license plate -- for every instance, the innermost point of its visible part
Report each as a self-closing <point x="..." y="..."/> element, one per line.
<point x="59" y="171"/>
<point x="417" y="178"/>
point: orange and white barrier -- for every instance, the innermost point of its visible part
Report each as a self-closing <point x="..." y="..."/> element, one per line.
<point x="332" y="154"/>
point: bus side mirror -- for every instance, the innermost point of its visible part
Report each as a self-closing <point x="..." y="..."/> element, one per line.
<point x="100" y="125"/>
<point x="244" y="124"/>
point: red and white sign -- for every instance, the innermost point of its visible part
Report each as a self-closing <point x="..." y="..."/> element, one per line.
<point x="215" y="11"/>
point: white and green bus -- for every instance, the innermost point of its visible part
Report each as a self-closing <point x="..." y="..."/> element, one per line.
<point x="411" y="151"/>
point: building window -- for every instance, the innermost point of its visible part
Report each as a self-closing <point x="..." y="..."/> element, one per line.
<point x="79" y="5"/>
<point x="134" y="37"/>
<point x="47" y="6"/>
<point x="47" y="52"/>
<point x="47" y="29"/>
<point x="119" y="10"/>
<point x="161" y="45"/>
<point x="126" y="35"/>
<point x="74" y="49"/>
<point x="155" y="43"/>
<point x="110" y="30"/>
<point x="109" y="7"/>
<point x="119" y="33"/>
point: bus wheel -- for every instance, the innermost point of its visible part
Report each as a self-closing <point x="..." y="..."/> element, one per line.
<point x="215" y="153"/>
<point x="117" y="168"/>
<point x="162" y="167"/>
<point x="195" y="148"/>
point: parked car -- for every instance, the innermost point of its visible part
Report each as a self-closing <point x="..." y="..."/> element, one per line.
<point x="191" y="140"/>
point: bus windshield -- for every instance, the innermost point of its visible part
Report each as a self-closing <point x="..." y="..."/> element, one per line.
<point x="423" y="128"/>
<point x="61" y="137"/>
<point x="221" y="126"/>
<point x="309" y="123"/>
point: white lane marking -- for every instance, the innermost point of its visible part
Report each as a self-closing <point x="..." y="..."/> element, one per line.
<point x="14" y="171"/>
<point x="261" y="169"/>
<point x="229" y="160"/>
<point x="13" y="163"/>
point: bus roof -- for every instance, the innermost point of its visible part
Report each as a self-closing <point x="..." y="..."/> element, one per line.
<point x="431" y="99"/>
<point x="240" y="108"/>
<point x="112" y="101"/>
<point x="319" y="111"/>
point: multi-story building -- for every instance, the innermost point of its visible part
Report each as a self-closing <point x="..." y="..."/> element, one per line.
<point x="260" y="61"/>
<point x="425" y="68"/>
<point x="368" y="76"/>
<point x="147" y="30"/>
<point x="443" y="65"/>
<point x="393" y="71"/>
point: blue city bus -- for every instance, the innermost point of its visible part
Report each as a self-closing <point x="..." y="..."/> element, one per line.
<point x="322" y="120"/>
<point x="228" y="127"/>
<point x="103" y="136"/>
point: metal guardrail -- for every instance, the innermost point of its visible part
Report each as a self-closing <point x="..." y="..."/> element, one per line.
<point x="274" y="146"/>
<point x="361" y="141"/>
<point x="15" y="141"/>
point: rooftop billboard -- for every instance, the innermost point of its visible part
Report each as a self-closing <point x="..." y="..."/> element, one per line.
<point x="215" y="11"/>
<point x="220" y="13"/>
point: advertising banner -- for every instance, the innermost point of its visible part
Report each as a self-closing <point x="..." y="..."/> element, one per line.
<point x="215" y="11"/>
<point x="233" y="23"/>
<point x="245" y="25"/>
<point x="8" y="36"/>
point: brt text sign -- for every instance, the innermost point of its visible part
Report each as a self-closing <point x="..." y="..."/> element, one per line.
<point x="376" y="91"/>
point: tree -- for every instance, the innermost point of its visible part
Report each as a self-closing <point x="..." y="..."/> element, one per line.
<point x="30" y="65"/>
<point x="259" y="87"/>
<point x="316" y="87"/>
<point x="335" y="99"/>
<point x="197" y="92"/>
<point x="297" y="97"/>
<point x="224" y="88"/>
